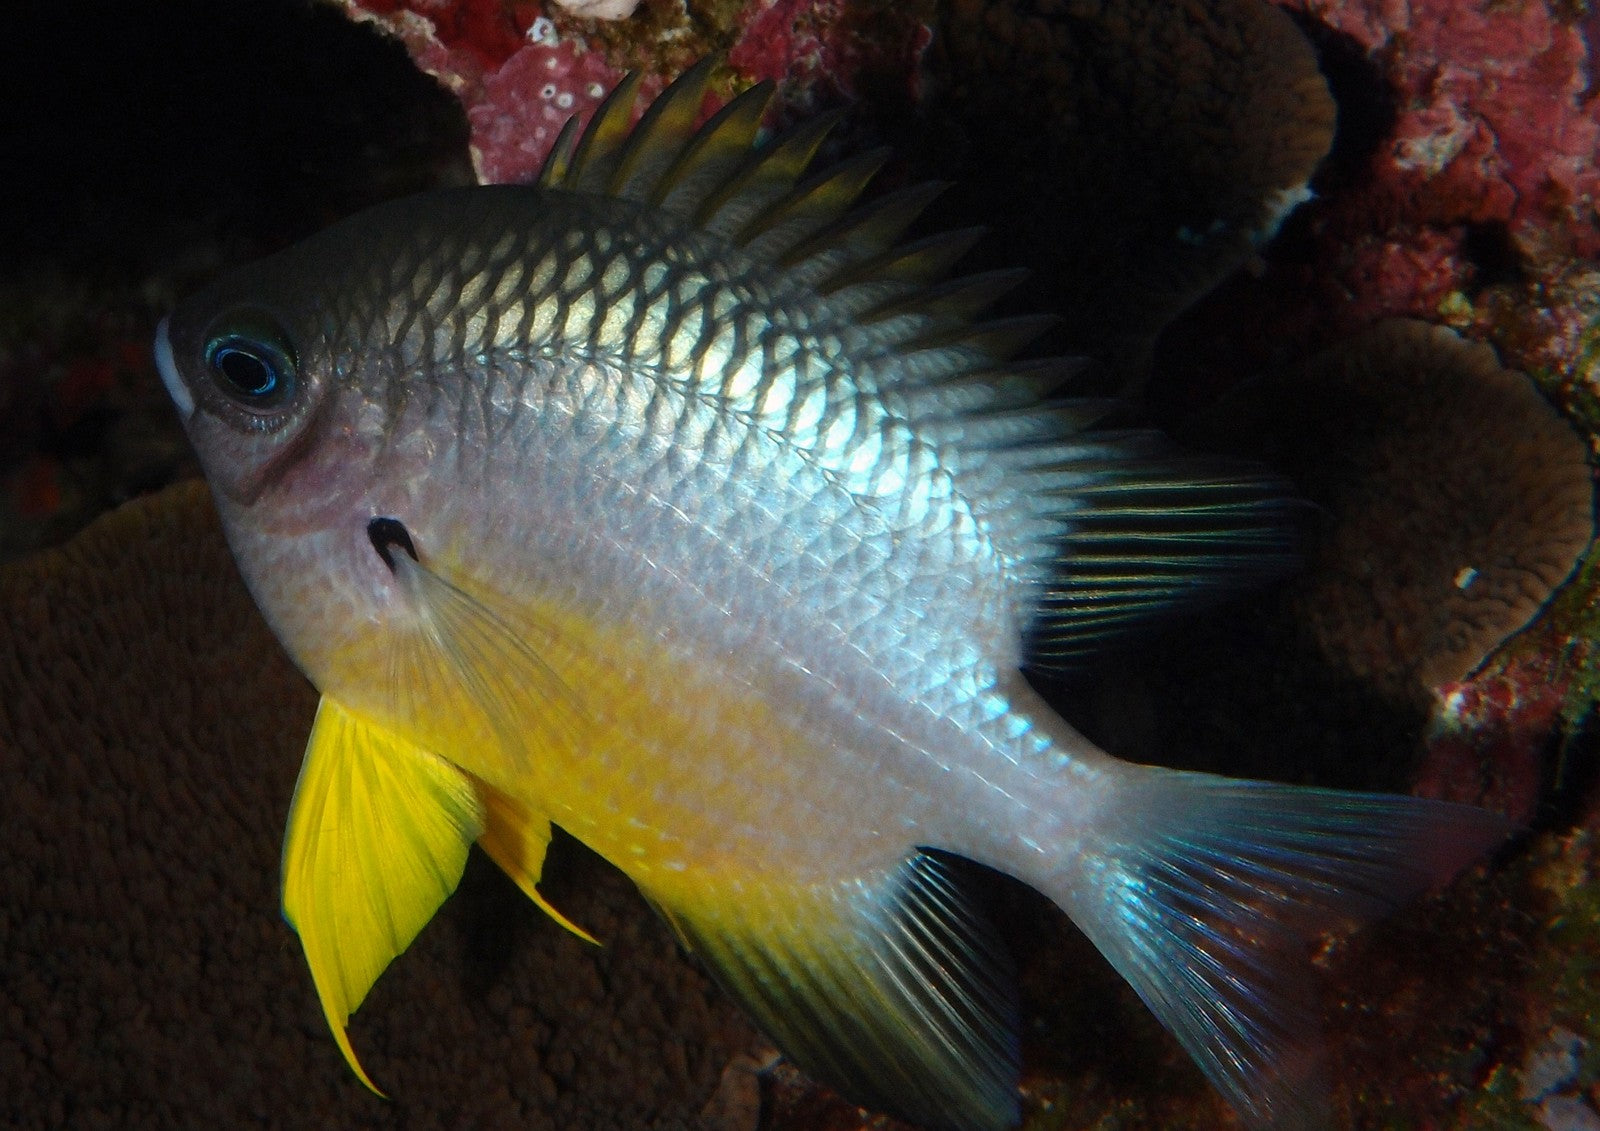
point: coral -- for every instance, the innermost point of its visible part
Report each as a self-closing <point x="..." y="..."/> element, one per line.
<point x="521" y="71"/>
<point x="518" y="78"/>
<point x="149" y="733"/>
<point x="600" y="9"/>
<point x="832" y="49"/>
<point x="1132" y="154"/>
<point x="513" y="133"/>
<point x="1494" y="130"/>
<point x="1454" y="500"/>
<point x="1495" y="118"/>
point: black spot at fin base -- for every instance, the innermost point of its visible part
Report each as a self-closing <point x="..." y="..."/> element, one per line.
<point x="387" y="533"/>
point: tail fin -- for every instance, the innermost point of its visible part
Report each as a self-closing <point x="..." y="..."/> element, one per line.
<point x="1205" y="891"/>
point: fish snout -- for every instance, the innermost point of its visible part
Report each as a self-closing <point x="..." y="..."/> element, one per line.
<point x="167" y="366"/>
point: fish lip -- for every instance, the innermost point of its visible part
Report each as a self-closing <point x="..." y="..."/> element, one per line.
<point x="167" y="366"/>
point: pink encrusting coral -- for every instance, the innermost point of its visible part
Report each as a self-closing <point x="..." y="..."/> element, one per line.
<point x="1497" y="122"/>
<point x="522" y="69"/>
<point x="517" y="78"/>
<point x="527" y="101"/>
<point x="828" y="44"/>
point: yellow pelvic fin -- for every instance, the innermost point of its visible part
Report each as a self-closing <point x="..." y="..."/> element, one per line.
<point x="891" y="986"/>
<point x="516" y="839"/>
<point x="378" y="835"/>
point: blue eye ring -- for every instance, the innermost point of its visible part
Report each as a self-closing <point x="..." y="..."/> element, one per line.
<point x="251" y="360"/>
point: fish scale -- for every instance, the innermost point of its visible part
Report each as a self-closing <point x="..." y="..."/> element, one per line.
<point x="677" y="501"/>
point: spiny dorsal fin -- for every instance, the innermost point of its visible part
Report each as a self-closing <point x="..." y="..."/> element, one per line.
<point x="558" y="166"/>
<point x="896" y="282"/>
<point x="953" y="302"/>
<point x="715" y="152"/>
<point x="812" y="232"/>
<point x="921" y="261"/>
<point x="992" y="342"/>
<point x="895" y="989"/>
<point x="859" y="236"/>
<point x="1103" y="530"/>
<point x="661" y="136"/>
<point x="601" y="147"/>
<point x="766" y="176"/>
<point x="776" y="231"/>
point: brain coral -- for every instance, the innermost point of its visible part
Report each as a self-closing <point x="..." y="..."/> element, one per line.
<point x="1453" y="499"/>
<point x="1132" y="152"/>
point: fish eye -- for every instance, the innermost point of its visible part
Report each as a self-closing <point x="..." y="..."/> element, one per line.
<point x="252" y="359"/>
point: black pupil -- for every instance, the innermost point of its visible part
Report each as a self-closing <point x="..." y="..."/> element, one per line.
<point x="249" y="369"/>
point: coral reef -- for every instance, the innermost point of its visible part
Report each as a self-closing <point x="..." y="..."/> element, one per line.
<point x="1134" y="154"/>
<point x="1476" y="202"/>
<point x="1452" y="499"/>
<point x="599" y="9"/>
<point x="521" y="70"/>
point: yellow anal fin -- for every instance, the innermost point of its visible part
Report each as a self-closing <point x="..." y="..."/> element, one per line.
<point x="516" y="839"/>
<point x="891" y="987"/>
<point x="378" y="835"/>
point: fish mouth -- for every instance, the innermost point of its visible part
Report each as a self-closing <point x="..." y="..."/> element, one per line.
<point x="168" y="367"/>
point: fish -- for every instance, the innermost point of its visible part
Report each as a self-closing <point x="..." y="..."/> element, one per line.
<point x="682" y="501"/>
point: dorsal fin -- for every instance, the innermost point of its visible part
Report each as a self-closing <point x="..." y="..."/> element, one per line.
<point x="1141" y="528"/>
<point x="1101" y="529"/>
<point x="661" y="136"/>
<point x="773" y="233"/>
<point x="719" y="148"/>
<point x="766" y="176"/>
<point x="826" y="259"/>
<point x="601" y="146"/>
<point x="558" y="166"/>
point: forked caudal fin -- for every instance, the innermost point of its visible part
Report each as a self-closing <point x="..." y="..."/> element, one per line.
<point x="1204" y="892"/>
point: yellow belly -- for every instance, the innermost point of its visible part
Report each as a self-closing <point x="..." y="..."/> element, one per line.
<point x="666" y="763"/>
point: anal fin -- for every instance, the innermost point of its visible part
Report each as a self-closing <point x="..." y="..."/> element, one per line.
<point x="378" y="835"/>
<point x="893" y="988"/>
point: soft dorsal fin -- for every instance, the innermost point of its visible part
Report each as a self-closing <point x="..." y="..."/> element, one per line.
<point x="1140" y="528"/>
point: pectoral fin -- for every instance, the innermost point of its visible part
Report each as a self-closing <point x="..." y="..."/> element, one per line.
<point x="472" y="665"/>
<point x="378" y="835"/>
